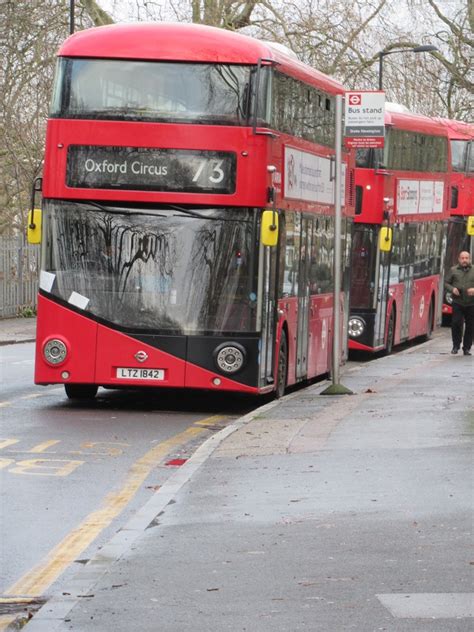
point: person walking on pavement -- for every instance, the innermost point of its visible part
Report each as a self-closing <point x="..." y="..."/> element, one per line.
<point x="460" y="282"/>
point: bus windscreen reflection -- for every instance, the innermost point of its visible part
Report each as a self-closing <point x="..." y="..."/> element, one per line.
<point x="165" y="271"/>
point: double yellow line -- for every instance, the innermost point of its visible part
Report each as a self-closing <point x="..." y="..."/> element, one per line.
<point x="35" y="582"/>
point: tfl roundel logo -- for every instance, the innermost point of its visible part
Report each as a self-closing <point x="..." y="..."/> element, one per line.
<point x="355" y="99"/>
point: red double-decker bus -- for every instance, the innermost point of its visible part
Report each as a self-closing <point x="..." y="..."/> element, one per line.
<point x="396" y="286"/>
<point x="460" y="197"/>
<point x="188" y="214"/>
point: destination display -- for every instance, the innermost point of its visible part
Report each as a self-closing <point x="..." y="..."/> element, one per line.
<point x="150" y="169"/>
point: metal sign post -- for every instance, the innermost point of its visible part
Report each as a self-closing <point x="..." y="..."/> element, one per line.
<point x="71" y="17"/>
<point x="336" y="387"/>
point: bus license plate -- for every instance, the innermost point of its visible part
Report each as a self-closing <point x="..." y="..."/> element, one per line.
<point x="124" y="373"/>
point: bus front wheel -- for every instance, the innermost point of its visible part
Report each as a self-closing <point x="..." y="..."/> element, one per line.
<point x="81" y="391"/>
<point x="282" y="366"/>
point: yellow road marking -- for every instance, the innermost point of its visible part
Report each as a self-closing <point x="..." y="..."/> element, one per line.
<point x="4" y="443"/>
<point x="5" y="621"/>
<point x="210" y="421"/>
<point x="32" y="396"/>
<point x="36" y="581"/>
<point x="42" y="447"/>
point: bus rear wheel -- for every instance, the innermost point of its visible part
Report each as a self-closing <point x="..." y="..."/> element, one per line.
<point x="81" y="391"/>
<point x="390" y="333"/>
<point x="430" y="325"/>
<point x="282" y="366"/>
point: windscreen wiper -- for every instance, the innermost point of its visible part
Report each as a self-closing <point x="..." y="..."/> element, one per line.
<point x="122" y="210"/>
<point x="186" y="211"/>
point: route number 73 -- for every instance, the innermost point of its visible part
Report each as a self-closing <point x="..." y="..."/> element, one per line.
<point x="217" y="174"/>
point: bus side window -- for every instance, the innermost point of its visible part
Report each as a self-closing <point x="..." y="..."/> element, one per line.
<point x="282" y="254"/>
<point x="454" y="197"/>
<point x="292" y="248"/>
<point x="470" y="161"/>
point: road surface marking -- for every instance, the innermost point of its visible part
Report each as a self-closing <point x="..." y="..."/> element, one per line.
<point x="45" y="467"/>
<point x="429" y="605"/>
<point x="42" y="447"/>
<point x="105" y="448"/>
<point x="22" y="604"/>
<point x="35" y="582"/>
<point x="4" y="443"/>
<point x="210" y="421"/>
<point x="5" y="621"/>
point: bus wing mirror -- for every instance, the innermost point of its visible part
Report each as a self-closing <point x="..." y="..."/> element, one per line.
<point x="34" y="214"/>
<point x="470" y="226"/>
<point x="34" y="226"/>
<point x="385" y="239"/>
<point x="269" y="228"/>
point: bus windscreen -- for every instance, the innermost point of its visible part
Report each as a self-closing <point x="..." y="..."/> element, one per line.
<point x="153" y="91"/>
<point x="167" y="270"/>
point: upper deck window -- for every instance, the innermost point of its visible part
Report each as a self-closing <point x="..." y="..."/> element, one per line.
<point x="152" y="91"/>
<point x="302" y="110"/>
<point x="470" y="160"/>
<point x="415" y="151"/>
<point x="459" y="151"/>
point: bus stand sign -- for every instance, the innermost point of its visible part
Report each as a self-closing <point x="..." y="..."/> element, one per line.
<point x="364" y="116"/>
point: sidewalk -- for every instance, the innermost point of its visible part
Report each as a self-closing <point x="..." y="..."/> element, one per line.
<point x="13" y="330"/>
<point x="312" y="513"/>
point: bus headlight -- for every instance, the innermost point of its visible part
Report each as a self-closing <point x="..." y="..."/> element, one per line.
<point x="54" y="351"/>
<point x="230" y="358"/>
<point x="356" y="326"/>
<point x="449" y="298"/>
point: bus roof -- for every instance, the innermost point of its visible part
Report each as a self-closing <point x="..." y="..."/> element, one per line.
<point x="410" y="121"/>
<point x="458" y="130"/>
<point x="165" y="41"/>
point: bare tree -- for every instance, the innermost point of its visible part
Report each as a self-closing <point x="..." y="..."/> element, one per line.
<point x="30" y="35"/>
<point x="339" y="38"/>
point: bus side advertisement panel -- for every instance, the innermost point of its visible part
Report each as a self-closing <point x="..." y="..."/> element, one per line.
<point x="416" y="197"/>
<point x="308" y="177"/>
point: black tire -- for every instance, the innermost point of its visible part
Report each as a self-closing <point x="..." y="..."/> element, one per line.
<point x="390" y="333"/>
<point x="429" y="324"/>
<point x="282" y="368"/>
<point x="81" y="391"/>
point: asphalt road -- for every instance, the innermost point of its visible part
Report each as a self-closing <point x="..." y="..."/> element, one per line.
<point x="72" y="473"/>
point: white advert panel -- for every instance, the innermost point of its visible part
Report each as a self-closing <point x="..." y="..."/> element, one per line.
<point x="307" y="177"/>
<point x="419" y="196"/>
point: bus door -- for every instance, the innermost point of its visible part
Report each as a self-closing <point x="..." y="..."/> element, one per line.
<point x="266" y="311"/>
<point x="303" y="298"/>
<point x="408" y="261"/>
<point x="382" y="284"/>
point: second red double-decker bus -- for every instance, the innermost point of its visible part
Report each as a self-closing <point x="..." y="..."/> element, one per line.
<point x="460" y="197"/>
<point x="396" y="290"/>
<point x="176" y="156"/>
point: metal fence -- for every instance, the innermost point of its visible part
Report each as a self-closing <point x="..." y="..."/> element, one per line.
<point x="19" y="271"/>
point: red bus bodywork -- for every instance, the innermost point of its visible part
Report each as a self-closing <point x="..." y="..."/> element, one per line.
<point x="401" y="305"/>
<point x="94" y="348"/>
<point x="460" y="196"/>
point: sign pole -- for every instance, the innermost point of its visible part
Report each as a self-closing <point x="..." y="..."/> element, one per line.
<point x="71" y="17"/>
<point x="337" y="388"/>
